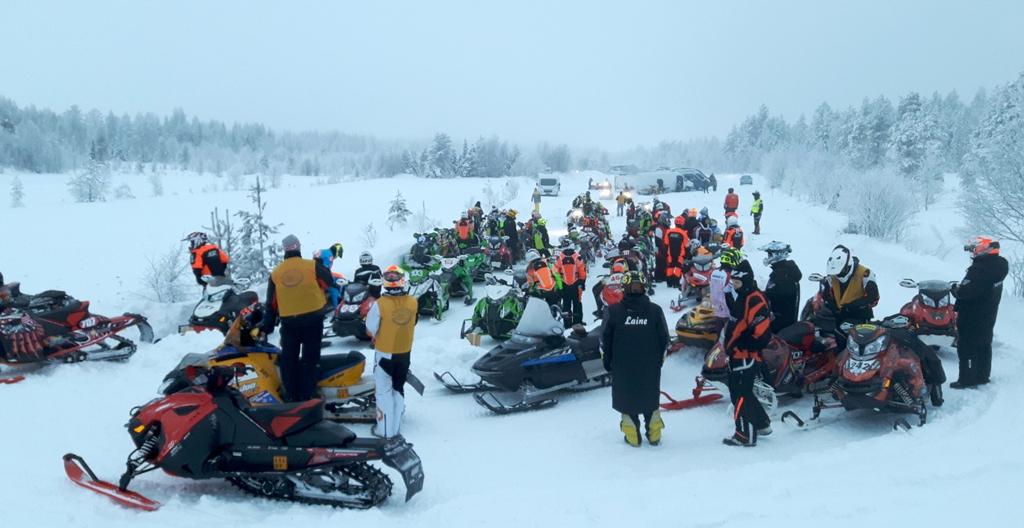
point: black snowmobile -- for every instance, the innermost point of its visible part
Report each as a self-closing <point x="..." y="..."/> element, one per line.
<point x="222" y="300"/>
<point x="523" y="373"/>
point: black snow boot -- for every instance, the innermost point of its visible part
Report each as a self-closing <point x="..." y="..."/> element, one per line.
<point x="936" y="394"/>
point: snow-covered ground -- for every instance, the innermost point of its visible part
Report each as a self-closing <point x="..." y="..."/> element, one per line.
<point x="566" y="466"/>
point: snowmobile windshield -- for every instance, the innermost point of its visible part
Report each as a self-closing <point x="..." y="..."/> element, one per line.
<point x="497" y="291"/>
<point x="449" y="263"/>
<point x="935" y="289"/>
<point x="355" y="292"/>
<point x="537" y="321"/>
<point x="703" y="262"/>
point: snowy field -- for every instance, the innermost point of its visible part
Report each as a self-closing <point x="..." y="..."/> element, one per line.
<point x="566" y="466"/>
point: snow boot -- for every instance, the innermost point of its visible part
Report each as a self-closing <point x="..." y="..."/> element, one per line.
<point x="962" y="385"/>
<point x="764" y="431"/>
<point x="628" y="427"/>
<point x="935" y="391"/>
<point x="739" y="440"/>
<point x="654" y="427"/>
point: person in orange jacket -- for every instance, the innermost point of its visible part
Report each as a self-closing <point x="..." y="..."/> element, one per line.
<point x="573" y="270"/>
<point x="208" y="260"/>
<point x="733" y="236"/>
<point x="732" y="203"/>
<point x="675" y="242"/>
<point x="745" y="336"/>
<point x="541" y="279"/>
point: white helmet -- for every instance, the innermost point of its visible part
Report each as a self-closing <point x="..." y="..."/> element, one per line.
<point x="532" y="255"/>
<point x="840" y="263"/>
<point x="732" y="221"/>
<point x="365" y="258"/>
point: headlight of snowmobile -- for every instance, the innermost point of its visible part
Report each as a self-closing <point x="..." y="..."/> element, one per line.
<point x="576" y="214"/>
<point x="217" y="295"/>
<point x="944" y="302"/>
<point x="927" y="301"/>
<point x="873" y="348"/>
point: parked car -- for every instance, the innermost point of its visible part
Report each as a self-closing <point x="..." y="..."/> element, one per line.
<point x="691" y="180"/>
<point x="746" y="179"/>
<point x="550" y="185"/>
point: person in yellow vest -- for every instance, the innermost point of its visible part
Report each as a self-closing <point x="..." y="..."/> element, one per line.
<point x="849" y="289"/>
<point x="392" y="321"/>
<point x="295" y="294"/>
<point x="756" y="210"/>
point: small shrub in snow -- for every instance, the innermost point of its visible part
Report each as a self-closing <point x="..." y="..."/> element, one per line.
<point x="1017" y="274"/>
<point x="369" y="237"/>
<point x="92" y="184"/>
<point x="123" y="192"/>
<point x="156" y="184"/>
<point x="163" y="276"/>
<point x="257" y="253"/>
<point x="878" y="204"/>
<point x="17" y="193"/>
<point x="398" y="213"/>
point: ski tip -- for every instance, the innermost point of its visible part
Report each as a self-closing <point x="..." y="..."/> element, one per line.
<point x="790" y="414"/>
<point x="12" y="380"/>
<point x="79" y="472"/>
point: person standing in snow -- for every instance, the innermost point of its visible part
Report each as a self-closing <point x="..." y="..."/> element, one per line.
<point x="746" y="334"/>
<point x="977" y="305"/>
<point x="714" y="182"/>
<point x="536" y="199"/>
<point x="755" y="210"/>
<point x="295" y="294"/>
<point x="573" y="271"/>
<point x="731" y="204"/>
<point x="620" y="202"/>
<point x="633" y="343"/>
<point x="392" y="323"/>
<point x="783" y="288"/>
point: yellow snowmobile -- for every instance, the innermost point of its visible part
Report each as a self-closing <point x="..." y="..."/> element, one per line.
<point x="697" y="328"/>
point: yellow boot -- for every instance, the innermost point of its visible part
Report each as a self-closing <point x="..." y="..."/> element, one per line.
<point x="654" y="428"/>
<point x="628" y="427"/>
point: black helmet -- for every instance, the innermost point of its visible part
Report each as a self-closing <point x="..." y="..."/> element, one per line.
<point x="633" y="283"/>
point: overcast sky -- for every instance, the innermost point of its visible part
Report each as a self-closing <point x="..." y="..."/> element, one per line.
<point x="590" y="73"/>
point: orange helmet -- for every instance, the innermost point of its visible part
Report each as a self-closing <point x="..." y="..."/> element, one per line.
<point x="680" y="221"/>
<point x="982" y="245"/>
<point x="394" y="280"/>
<point x="619" y="266"/>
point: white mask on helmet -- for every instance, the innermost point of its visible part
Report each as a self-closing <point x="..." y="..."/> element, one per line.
<point x="840" y="264"/>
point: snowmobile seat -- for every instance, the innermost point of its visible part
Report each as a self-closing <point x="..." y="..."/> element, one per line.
<point x="588" y="346"/>
<point x="323" y="434"/>
<point x="335" y="363"/>
<point x="286" y="419"/>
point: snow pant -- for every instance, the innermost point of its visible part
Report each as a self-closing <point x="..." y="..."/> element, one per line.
<point x="931" y="365"/>
<point x="618" y="210"/>
<point x="596" y="290"/>
<point x="757" y="224"/>
<point x="629" y="424"/>
<point x="673" y="275"/>
<point x="572" y="303"/>
<point x="389" y="374"/>
<point x="300" y="352"/>
<point x="728" y="212"/>
<point x="553" y="297"/>
<point x="749" y="415"/>
<point x="659" y="267"/>
<point x="975" y="355"/>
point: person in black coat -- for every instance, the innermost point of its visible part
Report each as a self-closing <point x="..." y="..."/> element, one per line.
<point x="633" y="341"/>
<point x="783" y="288"/>
<point x="977" y="304"/>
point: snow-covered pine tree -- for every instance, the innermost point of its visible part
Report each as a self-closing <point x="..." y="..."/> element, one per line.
<point x="124" y="192"/>
<point x="17" y="193"/>
<point x="913" y="135"/>
<point x="257" y="253"/>
<point x="398" y="212"/>
<point x="92" y="184"/>
<point x="156" y="184"/>
<point x="369" y="237"/>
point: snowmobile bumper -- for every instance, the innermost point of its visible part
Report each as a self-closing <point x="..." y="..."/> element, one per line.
<point x="399" y="455"/>
<point x="349" y="327"/>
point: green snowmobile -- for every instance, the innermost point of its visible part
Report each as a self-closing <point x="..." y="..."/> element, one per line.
<point x="476" y="263"/>
<point x="497" y="314"/>
<point x="431" y="296"/>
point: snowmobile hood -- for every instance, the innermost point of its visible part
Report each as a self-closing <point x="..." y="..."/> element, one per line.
<point x="537" y="320"/>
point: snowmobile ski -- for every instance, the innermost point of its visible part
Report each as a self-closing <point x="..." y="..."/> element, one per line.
<point x="790" y="414"/>
<point x="901" y="424"/>
<point x="452" y="383"/>
<point x="11" y="380"/>
<point x="80" y="473"/>
<point x="697" y="400"/>
<point x="414" y="382"/>
<point x="492" y="403"/>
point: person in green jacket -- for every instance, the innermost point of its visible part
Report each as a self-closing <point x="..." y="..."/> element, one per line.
<point x="756" y="211"/>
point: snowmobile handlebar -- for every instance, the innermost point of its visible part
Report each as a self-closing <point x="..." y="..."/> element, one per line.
<point x="815" y="277"/>
<point x="908" y="283"/>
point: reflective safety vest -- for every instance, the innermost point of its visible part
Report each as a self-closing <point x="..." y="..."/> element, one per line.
<point x="199" y="262"/>
<point x="296" y="287"/>
<point x="543" y="277"/>
<point x="854" y="289"/>
<point x="571" y="268"/>
<point x="757" y="207"/>
<point x="397" y="324"/>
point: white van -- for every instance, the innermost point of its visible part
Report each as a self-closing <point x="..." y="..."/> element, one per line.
<point x="550" y="184"/>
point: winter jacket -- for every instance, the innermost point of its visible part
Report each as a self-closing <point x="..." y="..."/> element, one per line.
<point x="732" y="201"/>
<point x="733" y="237"/>
<point x="749" y="331"/>
<point x="854" y="300"/>
<point x="304" y="304"/>
<point x="757" y="208"/>
<point x="783" y="293"/>
<point x="978" y="296"/>
<point x="633" y="342"/>
<point x="209" y="259"/>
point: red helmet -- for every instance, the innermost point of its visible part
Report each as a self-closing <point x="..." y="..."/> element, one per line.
<point x="982" y="245"/>
<point x="680" y="221"/>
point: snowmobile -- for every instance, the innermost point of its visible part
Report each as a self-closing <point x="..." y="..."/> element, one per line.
<point x="285" y="452"/>
<point x="53" y="327"/>
<point x="877" y="371"/>
<point x="817" y="302"/>
<point x="523" y="373"/>
<point x="697" y="328"/>
<point x="220" y="304"/>
<point x="475" y="262"/>
<point x="346" y="395"/>
<point x="498" y="255"/>
<point x="800" y="358"/>
<point x="931" y="311"/>
<point x="696" y="283"/>
<point x="456" y="277"/>
<point x="498" y="313"/>
<point x="431" y="296"/>
<point x="611" y="291"/>
<point x="349" y="317"/>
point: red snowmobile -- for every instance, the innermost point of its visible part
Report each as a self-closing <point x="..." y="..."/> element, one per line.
<point x="877" y="371"/>
<point x="499" y="256"/>
<point x="53" y="327"/>
<point x="817" y="302"/>
<point x="696" y="281"/>
<point x="800" y="358"/>
<point x="350" y="316"/>
<point x="285" y="451"/>
<point x="931" y="311"/>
